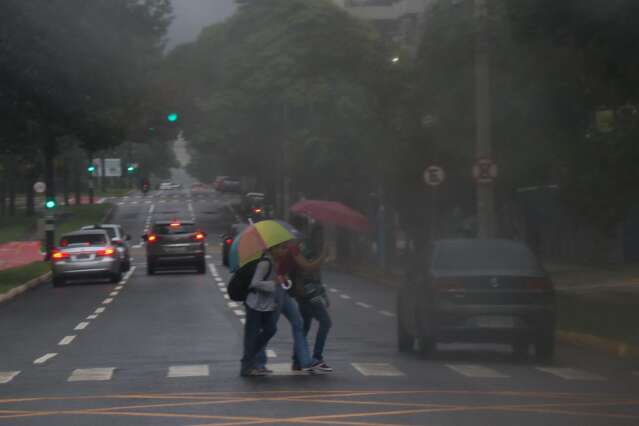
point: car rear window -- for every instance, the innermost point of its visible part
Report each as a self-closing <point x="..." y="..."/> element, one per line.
<point x="172" y="229"/>
<point x="85" y="240"/>
<point x="109" y="230"/>
<point x="477" y="257"/>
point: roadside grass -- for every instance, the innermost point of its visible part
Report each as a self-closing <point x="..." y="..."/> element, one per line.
<point x="16" y="228"/>
<point x="610" y="315"/>
<point x="10" y="278"/>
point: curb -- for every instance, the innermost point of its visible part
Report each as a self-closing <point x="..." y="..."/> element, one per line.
<point x="610" y="346"/>
<point x="24" y="287"/>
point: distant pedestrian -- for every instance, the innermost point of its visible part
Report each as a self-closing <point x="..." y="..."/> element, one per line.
<point x="262" y="304"/>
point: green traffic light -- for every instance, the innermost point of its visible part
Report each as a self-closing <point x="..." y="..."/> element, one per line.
<point x="91" y="169"/>
<point x="173" y="117"/>
<point x="130" y="169"/>
<point x="50" y="204"/>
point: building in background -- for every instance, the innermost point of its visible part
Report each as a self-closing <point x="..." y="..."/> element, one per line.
<point x="400" y="20"/>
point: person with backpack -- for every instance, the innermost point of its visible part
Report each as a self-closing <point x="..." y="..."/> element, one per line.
<point x="312" y="297"/>
<point x="263" y="302"/>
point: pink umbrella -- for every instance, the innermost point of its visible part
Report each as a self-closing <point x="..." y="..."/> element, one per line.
<point x="332" y="213"/>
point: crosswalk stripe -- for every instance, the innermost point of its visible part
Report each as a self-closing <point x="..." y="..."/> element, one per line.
<point x="7" y="376"/>
<point x="270" y="353"/>
<point x="284" y="369"/>
<point x="188" y="371"/>
<point x="91" y="374"/>
<point x="45" y="358"/>
<point x="570" y="373"/>
<point x="476" y="371"/>
<point x="377" y="369"/>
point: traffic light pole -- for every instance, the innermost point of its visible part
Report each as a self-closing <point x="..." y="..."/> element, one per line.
<point x="49" y="178"/>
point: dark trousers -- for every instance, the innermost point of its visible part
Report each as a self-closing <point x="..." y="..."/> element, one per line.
<point x="258" y="330"/>
<point x="319" y="311"/>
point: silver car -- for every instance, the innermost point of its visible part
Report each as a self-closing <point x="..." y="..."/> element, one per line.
<point x="120" y="239"/>
<point x="85" y="254"/>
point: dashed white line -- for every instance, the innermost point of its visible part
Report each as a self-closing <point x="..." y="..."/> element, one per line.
<point x="345" y="296"/>
<point x="221" y="285"/>
<point x="114" y="293"/>
<point x="270" y="353"/>
<point x="91" y="374"/>
<point x="226" y="296"/>
<point x="92" y="317"/>
<point x="107" y="301"/>
<point x="81" y="326"/>
<point x="223" y="289"/>
<point x="239" y="312"/>
<point x="364" y="305"/>
<point x="45" y="358"/>
<point x="387" y="314"/>
<point x="243" y="320"/>
<point x="233" y="305"/>
<point x="100" y="310"/>
<point x="66" y="340"/>
<point x="7" y="376"/>
<point x="333" y="290"/>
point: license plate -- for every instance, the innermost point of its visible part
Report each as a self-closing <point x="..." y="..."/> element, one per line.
<point x="83" y="256"/>
<point x="176" y="249"/>
<point x="495" y="322"/>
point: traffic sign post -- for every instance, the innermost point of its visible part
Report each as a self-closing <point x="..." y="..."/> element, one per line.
<point x="39" y="187"/>
<point x="485" y="171"/>
<point x="434" y="176"/>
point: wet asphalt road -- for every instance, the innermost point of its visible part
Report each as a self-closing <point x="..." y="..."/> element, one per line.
<point x="164" y="350"/>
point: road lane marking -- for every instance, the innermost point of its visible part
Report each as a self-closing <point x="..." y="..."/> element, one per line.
<point x="345" y="296"/>
<point x="66" y="340"/>
<point x="92" y="317"/>
<point x="114" y="293"/>
<point x="100" y="310"/>
<point x="212" y="269"/>
<point x="221" y="285"/>
<point x="226" y="296"/>
<point x="152" y="209"/>
<point x="45" y="358"/>
<point x="476" y="371"/>
<point x="233" y="305"/>
<point x="188" y="371"/>
<point x="364" y="305"/>
<point x="7" y="376"/>
<point x="377" y="369"/>
<point x="243" y="320"/>
<point x="570" y="373"/>
<point x="91" y="374"/>
<point x="270" y="353"/>
<point x="129" y="273"/>
<point x="208" y="256"/>
<point x="219" y="280"/>
<point x="81" y="326"/>
<point x="333" y="290"/>
<point x="387" y="314"/>
<point x="223" y="289"/>
<point x="107" y="301"/>
<point x="239" y="312"/>
<point x="120" y="287"/>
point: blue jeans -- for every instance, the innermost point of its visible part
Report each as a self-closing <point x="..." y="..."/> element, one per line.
<point x="258" y="330"/>
<point x="301" y="354"/>
<point x="319" y="311"/>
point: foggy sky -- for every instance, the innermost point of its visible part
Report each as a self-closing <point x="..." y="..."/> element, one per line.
<point x="193" y="15"/>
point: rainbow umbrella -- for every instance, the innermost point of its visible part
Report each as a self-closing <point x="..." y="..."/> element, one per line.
<point x="258" y="237"/>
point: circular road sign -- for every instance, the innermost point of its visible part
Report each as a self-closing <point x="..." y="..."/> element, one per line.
<point x="39" y="187"/>
<point x="485" y="170"/>
<point x="434" y="175"/>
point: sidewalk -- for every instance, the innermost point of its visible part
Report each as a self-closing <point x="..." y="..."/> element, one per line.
<point x="19" y="253"/>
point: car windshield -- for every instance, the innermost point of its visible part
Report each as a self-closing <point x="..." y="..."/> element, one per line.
<point x="174" y="229"/>
<point x="471" y="257"/>
<point x="83" y="240"/>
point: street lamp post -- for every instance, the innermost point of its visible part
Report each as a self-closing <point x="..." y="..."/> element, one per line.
<point x="485" y="191"/>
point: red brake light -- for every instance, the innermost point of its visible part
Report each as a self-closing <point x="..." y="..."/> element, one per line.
<point x="175" y="224"/>
<point x="57" y="255"/>
<point x="199" y="236"/>
<point x="152" y="238"/>
<point x="107" y="252"/>
<point x="448" y="284"/>
<point x="229" y="241"/>
<point x="257" y="210"/>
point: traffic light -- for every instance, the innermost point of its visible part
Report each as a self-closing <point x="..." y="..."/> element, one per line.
<point x="91" y="169"/>
<point x="50" y="203"/>
<point x="130" y="168"/>
<point x="172" y="117"/>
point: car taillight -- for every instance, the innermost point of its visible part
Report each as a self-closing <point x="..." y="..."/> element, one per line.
<point x="107" y="252"/>
<point x="57" y="255"/>
<point x="258" y="211"/>
<point x="448" y="284"/>
<point x="152" y="238"/>
<point x="228" y="241"/>
<point x="539" y="284"/>
<point x="199" y="236"/>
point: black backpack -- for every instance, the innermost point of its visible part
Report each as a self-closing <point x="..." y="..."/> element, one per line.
<point x="238" y="287"/>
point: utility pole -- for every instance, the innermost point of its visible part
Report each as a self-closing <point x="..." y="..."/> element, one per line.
<point x="485" y="191"/>
<point x="49" y="179"/>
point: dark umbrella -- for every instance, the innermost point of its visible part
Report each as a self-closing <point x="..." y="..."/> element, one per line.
<point x="333" y="213"/>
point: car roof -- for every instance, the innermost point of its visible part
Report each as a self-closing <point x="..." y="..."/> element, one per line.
<point x="101" y="225"/>
<point x="86" y="232"/>
<point x="168" y="222"/>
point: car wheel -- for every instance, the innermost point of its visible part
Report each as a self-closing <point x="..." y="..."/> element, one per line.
<point x="545" y="348"/>
<point x="58" y="281"/>
<point x="427" y="346"/>
<point x="115" y="278"/>
<point x="150" y="267"/>
<point x="404" y="340"/>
